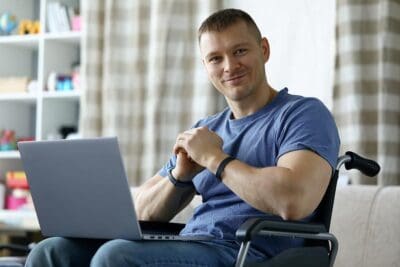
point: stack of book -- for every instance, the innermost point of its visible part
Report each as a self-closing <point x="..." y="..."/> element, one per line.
<point x="59" y="17"/>
<point x="14" y="84"/>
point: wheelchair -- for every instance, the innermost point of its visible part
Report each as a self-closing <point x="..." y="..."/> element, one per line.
<point x="320" y="247"/>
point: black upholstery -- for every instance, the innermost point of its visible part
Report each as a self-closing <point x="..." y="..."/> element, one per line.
<point x="291" y="257"/>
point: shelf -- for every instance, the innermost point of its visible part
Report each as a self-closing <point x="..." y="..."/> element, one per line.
<point x="70" y="37"/>
<point x="25" y="41"/>
<point x="23" y="97"/>
<point x="31" y="98"/>
<point x="9" y="154"/>
<point x="37" y="113"/>
<point x="62" y="95"/>
<point x="18" y="220"/>
<point x="31" y="41"/>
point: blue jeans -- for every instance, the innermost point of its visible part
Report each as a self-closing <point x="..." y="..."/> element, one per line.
<point x="60" y="252"/>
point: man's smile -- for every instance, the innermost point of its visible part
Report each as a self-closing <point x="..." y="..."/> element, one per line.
<point x="234" y="79"/>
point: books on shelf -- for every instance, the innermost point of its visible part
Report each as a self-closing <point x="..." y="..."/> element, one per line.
<point x="60" y="17"/>
<point x="13" y="84"/>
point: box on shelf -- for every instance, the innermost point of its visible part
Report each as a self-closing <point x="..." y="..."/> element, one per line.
<point x="18" y="193"/>
<point x="14" y="84"/>
<point x="76" y="23"/>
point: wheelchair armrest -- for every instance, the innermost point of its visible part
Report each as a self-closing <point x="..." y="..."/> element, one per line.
<point x="254" y="226"/>
<point x="267" y="227"/>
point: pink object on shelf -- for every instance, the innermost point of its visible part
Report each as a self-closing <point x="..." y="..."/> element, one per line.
<point x="76" y="23"/>
<point x="17" y="198"/>
<point x="14" y="203"/>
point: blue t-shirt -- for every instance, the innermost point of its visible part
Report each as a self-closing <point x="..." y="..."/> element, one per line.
<point x="287" y="123"/>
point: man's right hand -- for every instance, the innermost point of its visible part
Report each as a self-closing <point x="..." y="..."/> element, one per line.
<point x="185" y="168"/>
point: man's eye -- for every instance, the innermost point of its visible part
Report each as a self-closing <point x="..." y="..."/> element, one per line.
<point x="214" y="60"/>
<point x="240" y="51"/>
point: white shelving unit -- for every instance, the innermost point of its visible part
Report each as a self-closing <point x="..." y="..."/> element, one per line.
<point x="39" y="114"/>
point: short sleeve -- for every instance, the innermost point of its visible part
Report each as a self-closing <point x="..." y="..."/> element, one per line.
<point x="308" y="124"/>
<point x="169" y="165"/>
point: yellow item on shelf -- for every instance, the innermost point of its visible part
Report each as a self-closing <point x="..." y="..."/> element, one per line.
<point x="29" y="27"/>
<point x="16" y="179"/>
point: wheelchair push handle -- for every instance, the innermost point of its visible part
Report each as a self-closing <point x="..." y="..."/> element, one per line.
<point x="366" y="166"/>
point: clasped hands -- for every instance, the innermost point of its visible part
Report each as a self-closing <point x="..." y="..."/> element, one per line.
<point x="196" y="149"/>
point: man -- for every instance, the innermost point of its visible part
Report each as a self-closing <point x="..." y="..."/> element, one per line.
<point x="268" y="154"/>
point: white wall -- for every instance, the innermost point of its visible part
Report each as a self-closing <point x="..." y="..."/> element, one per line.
<point x="301" y="36"/>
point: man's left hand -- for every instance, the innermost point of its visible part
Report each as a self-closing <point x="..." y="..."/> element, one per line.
<point x="201" y="145"/>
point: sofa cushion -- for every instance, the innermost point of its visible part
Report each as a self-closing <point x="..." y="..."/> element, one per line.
<point x="382" y="247"/>
<point x="365" y="221"/>
<point x="350" y="222"/>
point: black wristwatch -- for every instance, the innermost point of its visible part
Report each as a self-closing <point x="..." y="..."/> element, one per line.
<point x="179" y="183"/>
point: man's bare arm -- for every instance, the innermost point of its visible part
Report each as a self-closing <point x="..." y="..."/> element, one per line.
<point x="292" y="189"/>
<point x="159" y="200"/>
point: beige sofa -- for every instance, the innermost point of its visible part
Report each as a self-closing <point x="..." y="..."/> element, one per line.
<point x="366" y="221"/>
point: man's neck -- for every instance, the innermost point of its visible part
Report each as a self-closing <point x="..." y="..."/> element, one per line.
<point x="249" y="106"/>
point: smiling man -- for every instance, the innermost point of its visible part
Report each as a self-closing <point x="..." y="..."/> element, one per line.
<point x="234" y="59"/>
<point x="268" y="154"/>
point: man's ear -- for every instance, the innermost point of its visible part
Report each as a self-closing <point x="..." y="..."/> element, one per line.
<point x="265" y="49"/>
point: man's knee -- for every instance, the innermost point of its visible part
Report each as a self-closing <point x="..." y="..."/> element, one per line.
<point x="59" y="251"/>
<point x="115" y="253"/>
<point x="44" y="253"/>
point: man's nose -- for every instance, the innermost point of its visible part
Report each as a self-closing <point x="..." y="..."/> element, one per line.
<point x="231" y="64"/>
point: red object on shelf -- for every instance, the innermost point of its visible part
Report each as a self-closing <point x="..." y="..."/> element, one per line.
<point x="22" y="139"/>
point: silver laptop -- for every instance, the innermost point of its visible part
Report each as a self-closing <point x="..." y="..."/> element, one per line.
<point x="79" y="189"/>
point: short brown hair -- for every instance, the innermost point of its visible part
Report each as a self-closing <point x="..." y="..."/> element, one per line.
<point x="224" y="18"/>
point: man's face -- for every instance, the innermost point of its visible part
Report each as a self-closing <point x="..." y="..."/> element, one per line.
<point x="234" y="60"/>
